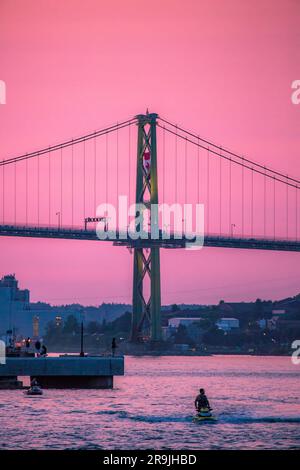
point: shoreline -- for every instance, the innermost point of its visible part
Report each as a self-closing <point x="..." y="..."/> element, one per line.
<point x="175" y="354"/>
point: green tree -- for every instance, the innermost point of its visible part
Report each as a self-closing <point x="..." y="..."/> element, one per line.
<point x="71" y="325"/>
<point x="93" y="327"/>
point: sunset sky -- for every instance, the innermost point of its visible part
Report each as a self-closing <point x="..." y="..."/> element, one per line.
<point x="223" y="68"/>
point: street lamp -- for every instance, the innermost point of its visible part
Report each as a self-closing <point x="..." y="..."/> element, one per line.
<point x="58" y="215"/>
<point x="232" y="227"/>
<point x="81" y="334"/>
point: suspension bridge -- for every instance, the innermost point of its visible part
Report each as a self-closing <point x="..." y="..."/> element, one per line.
<point x="54" y="192"/>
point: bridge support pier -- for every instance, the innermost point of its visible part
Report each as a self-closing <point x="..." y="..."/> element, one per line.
<point x="146" y="313"/>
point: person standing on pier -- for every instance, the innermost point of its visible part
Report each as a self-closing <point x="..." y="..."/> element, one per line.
<point x="37" y="347"/>
<point x="44" y="351"/>
<point x="27" y="343"/>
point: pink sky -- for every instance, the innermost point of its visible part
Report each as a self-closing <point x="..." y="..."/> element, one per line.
<point x="222" y="68"/>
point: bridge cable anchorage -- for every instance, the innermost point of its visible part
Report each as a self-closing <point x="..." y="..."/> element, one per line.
<point x="213" y="152"/>
<point x="69" y="142"/>
<point x="233" y="154"/>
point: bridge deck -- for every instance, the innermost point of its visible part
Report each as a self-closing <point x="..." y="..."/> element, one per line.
<point x="123" y="239"/>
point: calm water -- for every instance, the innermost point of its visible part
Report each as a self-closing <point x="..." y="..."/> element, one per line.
<point x="256" y="400"/>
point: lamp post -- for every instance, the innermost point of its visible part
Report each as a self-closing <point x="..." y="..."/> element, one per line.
<point x="81" y="335"/>
<point x="58" y="215"/>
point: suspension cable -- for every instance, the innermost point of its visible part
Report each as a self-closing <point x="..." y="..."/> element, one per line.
<point x="233" y="154"/>
<point x="70" y="142"/>
<point x="214" y="152"/>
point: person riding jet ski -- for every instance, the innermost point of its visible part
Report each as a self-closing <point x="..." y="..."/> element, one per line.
<point x="202" y="401"/>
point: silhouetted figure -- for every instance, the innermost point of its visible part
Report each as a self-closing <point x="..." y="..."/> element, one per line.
<point x="113" y="346"/>
<point x="37" y="345"/>
<point x="34" y="382"/>
<point x="44" y="351"/>
<point x="27" y="343"/>
<point x="202" y="401"/>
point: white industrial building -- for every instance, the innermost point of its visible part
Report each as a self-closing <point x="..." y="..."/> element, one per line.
<point x="183" y="321"/>
<point x="227" y="324"/>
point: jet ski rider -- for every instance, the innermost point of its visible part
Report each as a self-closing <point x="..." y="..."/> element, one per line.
<point x="202" y="401"/>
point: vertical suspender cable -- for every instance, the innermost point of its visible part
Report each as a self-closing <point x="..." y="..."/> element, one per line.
<point x="117" y="137"/>
<point x="252" y="200"/>
<point x="198" y="172"/>
<point x="129" y="164"/>
<point x="185" y="172"/>
<point x="265" y="198"/>
<point x="106" y="167"/>
<point x="3" y="193"/>
<point x="83" y="179"/>
<point x="230" y="226"/>
<point x="26" y="191"/>
<point x="61" y="186"/>
<point x="95" y="173"/>
<point x="38" y="189"/>
<point x="274" y="207"/>
<point x="185" y="183"/>
<point x="287" y="208"/>
<point x="243" y="199"/>
<point x="176" y="166"/>
<point x="72" y="183"/>
<point x="164" y="163"/>
<point x="15" y="189"/>
<point x="207" y="200"/>
<point x="49" y="176"/>
<point x="220" y="193"/>
<point x="296" y="218"/>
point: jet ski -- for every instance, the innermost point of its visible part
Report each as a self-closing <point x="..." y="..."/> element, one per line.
<point x="204" y="415"/>
<point x="34" y="390"/>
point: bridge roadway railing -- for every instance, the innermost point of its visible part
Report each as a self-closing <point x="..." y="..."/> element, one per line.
<point x="171" y="240"/>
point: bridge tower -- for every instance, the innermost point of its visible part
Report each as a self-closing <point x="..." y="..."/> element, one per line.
<point x="146" y="312"/>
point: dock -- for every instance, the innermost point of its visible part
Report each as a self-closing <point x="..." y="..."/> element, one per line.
<point x="65" y="371"/>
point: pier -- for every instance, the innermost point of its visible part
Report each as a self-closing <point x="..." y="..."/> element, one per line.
<point x="65" y="371"/>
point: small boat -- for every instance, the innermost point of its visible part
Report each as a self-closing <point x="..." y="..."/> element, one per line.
<point x="204" y="415"/>
<point x="35" y="390"/>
